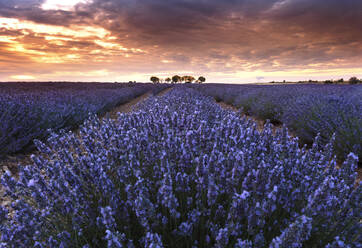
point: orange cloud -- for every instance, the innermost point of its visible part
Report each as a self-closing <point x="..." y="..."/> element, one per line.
<point x="222" y="40"/>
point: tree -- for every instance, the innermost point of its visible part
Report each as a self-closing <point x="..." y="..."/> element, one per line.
<point x="201" y="79"/>
<point x="154" y="79"/>
<point x="183" y="79"/>
<point x="176" y="79"/>
<point x="189" y="79"/>
<point x="354" y="80"/>
<point x="168" y="80"/>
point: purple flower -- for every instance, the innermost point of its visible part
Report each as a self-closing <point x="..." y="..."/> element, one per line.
<point x="181" y="171"/>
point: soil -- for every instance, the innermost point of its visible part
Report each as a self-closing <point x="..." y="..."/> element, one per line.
<point x="127" y="107"/>
<point x="165" y="91"/>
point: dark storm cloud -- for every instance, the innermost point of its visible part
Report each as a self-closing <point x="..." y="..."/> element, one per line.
<point x="211" y="35"/>
<point x="302" y="27"/>
<point x="175" y="20"/>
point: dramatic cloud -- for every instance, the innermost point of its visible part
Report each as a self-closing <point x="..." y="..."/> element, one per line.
<point x="231" y="40"/>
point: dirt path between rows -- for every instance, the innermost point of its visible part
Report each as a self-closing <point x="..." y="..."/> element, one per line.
<point x="165" y="91"/>
<point x="127" y="107"/>
<point x="132" y="105"/>
<point x="260" y="126"/>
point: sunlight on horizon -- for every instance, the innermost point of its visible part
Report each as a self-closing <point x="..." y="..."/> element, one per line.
<point x="22" y="77"/>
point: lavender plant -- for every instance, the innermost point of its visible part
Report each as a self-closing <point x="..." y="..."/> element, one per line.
<point x="181" y="172"/>
<point x="28" y="110"/>
<point x="327" y="115"/>
<point x="306" y="109"/>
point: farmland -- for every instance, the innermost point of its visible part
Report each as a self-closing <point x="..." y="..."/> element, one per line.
<point x="307" y="110"/>
<point x="180" y="170"/>
<point x="28" y="110"/>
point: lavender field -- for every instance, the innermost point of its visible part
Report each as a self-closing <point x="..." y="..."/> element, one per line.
<point x="28" y="110"/>
<point x="245" y="133"/>
<point x="306" y="109"/>
<point x="181" y="171"/>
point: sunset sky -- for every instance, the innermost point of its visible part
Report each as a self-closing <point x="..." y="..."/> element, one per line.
<point x="229" y="41"/>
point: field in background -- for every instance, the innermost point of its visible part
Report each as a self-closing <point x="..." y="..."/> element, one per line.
<point x="28" y="110"/>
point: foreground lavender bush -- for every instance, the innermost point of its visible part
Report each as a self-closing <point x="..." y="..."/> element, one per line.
<point x="181" y="172"/>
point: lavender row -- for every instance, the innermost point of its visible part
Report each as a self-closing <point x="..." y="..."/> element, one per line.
<point x="181" y="172"/>
<point x="27" y="110"/>
<point x="306" y="109"/>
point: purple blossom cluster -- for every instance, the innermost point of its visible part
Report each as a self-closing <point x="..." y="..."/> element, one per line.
<point x="307" y="110"/>
<point x="28" y="110"/>
<point x="181" y="172"/>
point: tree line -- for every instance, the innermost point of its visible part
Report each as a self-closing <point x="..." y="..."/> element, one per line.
<point x="178" y="79"/>
<point x="352" y="80"/>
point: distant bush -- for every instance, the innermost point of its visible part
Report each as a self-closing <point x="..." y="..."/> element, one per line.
<point x="354" y="80"/>
<point x="154" y="79"/>
<point x="176" y="79"/>
<point x="201" y="79"/>
<point x="328" y="82"/>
